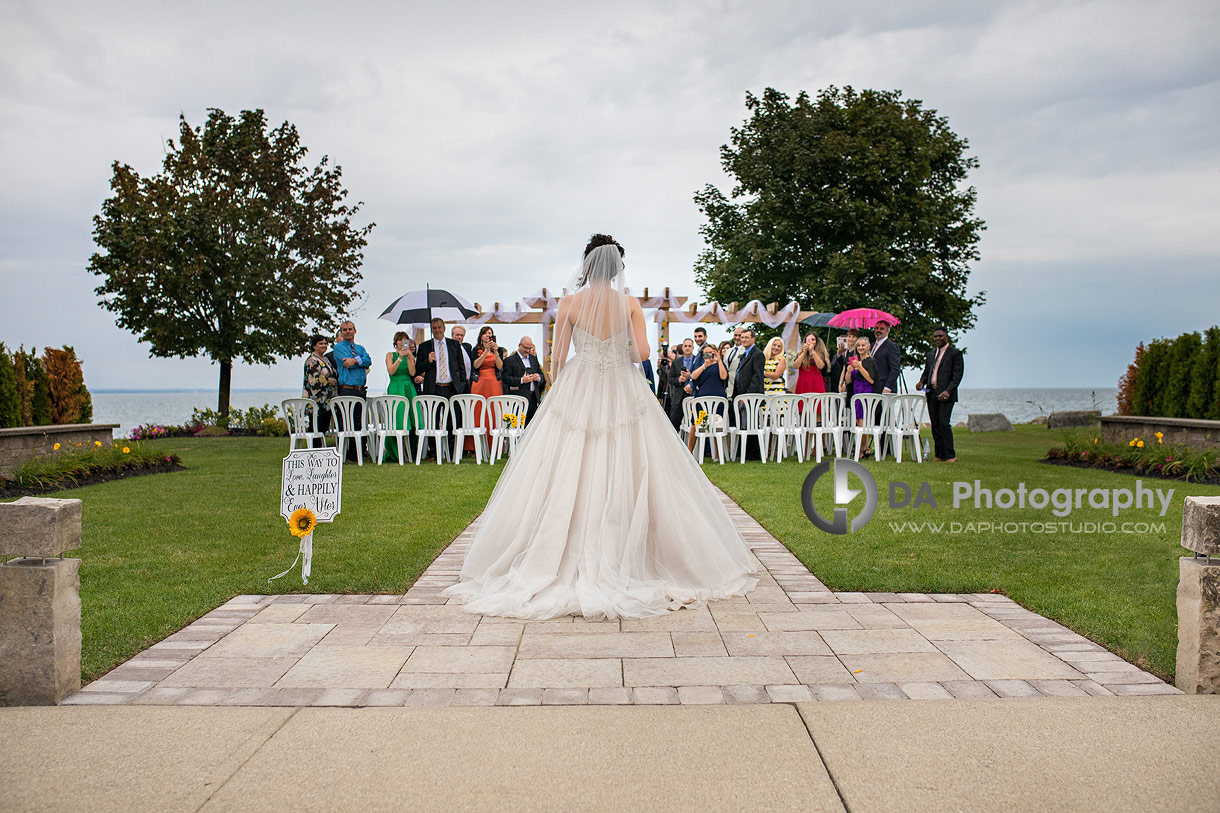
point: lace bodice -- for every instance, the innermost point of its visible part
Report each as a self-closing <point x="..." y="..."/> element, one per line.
<point x="601" y="353"/>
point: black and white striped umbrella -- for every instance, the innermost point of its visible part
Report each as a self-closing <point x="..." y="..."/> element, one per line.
<point x="421" y="307"/>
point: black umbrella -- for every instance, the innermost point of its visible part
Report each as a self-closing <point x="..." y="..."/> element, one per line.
<point x="818" y="320"/>
<point x="421" y="307"/>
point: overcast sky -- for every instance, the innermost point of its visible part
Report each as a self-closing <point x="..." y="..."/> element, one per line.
<point x="488" y="140"/>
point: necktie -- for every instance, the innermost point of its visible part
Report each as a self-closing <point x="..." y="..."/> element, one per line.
<point x="442" y="363"/>
<point x="940" y="354"/>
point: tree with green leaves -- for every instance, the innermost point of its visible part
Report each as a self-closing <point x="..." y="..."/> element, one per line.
<point x="232" y="249"/>
<point x="852" y="199"/>
<point x="10" y="402"/>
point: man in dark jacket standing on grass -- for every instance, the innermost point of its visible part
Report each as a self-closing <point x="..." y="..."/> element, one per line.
<point x="942" y="373"/>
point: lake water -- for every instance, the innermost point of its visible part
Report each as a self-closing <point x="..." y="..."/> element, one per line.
<point x="131" y="409"/>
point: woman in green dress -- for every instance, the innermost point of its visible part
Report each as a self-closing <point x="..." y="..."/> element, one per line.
<point x="400" y="364"/>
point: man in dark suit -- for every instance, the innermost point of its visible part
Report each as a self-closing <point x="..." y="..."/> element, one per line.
<point x="680" y="370"/>
<point x="750" y="363"/>
<point x="888" y="357"/>
<point x="442" y="363"/>
<point x="942" y="373"/>
<point x="522" y="375"/>
<point x="748" y="380"/>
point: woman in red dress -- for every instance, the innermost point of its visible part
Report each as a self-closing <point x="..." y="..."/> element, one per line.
<point x="812" y="364"/>
<point x="485" y="370"/>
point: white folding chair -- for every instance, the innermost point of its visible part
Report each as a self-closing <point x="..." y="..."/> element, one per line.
<point x="343" y="412"/>
<point x="390" y="419"/>
<point x="302" y="417"/>
<point x="431" y="416"/>
<point x="783" y="423"/>
<point x="826" y="416"/>
<point x="688" y="419"/>
<point x="502" y="406"/>
<point x="472" y="412"/>
<point x="750" y="411"/>
<point x="906" y="414"/>
<point x="875" y="409"/>
<point x="714" y="428"/>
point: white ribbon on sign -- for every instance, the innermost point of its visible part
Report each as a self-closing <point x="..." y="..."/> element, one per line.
<point x="306" y="550"/>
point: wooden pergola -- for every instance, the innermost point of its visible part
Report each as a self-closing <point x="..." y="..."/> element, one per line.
<point x="662" y="308"/>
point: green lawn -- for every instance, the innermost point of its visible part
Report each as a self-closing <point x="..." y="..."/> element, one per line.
<point x="1117" y="589"/>
<point x="162" y="550"/>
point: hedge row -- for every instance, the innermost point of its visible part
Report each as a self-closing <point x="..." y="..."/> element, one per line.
<point x="1174" y="378"/>
<point x="42" y="390"/>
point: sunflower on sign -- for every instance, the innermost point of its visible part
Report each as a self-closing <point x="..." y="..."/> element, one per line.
<point x="302" y="522"/>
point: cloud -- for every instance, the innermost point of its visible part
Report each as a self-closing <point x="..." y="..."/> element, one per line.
<point x="487" y="140"/>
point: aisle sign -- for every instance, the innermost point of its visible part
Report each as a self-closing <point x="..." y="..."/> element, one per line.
<point x="313" y="479"/>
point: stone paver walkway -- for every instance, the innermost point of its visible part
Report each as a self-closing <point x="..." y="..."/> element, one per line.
<point x="789" y="640"/>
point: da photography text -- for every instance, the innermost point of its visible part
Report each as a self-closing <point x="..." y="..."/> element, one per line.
<point x="1060" y="502"/>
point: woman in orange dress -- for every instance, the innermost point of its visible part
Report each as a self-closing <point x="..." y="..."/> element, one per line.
<point x="485" y="372"/>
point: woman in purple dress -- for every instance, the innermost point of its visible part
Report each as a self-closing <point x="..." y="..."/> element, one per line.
<point x="860" y="377"/>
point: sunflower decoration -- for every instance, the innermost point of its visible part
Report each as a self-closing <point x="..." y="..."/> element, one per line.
<point x="302" y="522"/>
<point x="701" y="418"/>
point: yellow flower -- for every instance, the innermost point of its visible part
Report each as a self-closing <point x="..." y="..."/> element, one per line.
<point x="56" y="447"/>
<point x="1094" y="440"/>
<point x="1160" y="437"/>
<point x="97" y="443"/>
<point x="126" y="450"/>
<point x="302" y="522"/>
<point x="1140" y="444"/>
<point x="1133" y="441"/>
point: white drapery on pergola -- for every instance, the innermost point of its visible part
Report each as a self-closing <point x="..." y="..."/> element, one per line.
<point x="540" y="308"/>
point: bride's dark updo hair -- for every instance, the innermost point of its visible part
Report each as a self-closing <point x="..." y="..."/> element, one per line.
<point x="598" y="240"/>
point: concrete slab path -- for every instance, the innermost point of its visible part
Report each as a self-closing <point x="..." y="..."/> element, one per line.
<point x="1047" y="754"/>
<point x="790" y="640"/>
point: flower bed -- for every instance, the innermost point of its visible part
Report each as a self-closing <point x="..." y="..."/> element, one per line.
<point x="82" y="464"/>
<point x="1148" y="457"/>
<point x="261" y="421"/>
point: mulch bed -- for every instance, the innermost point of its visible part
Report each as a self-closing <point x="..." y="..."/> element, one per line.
<point x="1080" y="464"/>
<point x="9" y="489"/>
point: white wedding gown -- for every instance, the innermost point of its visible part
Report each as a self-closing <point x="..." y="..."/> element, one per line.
<point x="602" y="512"/>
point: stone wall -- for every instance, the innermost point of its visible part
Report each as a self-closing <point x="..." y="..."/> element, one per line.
<point x="1199" y="434"/>
<point x="19" y="444"/>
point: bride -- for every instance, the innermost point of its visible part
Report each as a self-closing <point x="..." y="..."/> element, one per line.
<point x="601" y="512"/>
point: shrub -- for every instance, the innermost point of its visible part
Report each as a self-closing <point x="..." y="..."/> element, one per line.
<point x="65" y="386"/>
<point x="274" y="428"/>
<point x="10" y="402"/>
<point x="1149" y="456"/>
<point x="209" y="417"/>
<point x="1174" y="378"/>
<point x="150" y="431"/>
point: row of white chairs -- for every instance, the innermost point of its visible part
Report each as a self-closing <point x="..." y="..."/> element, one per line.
<point x="435" y="419"/>
<point x="805" y="424"/>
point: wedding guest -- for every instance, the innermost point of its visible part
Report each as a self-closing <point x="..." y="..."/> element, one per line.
<point x="812" y="364"/>
<point x="700" y="341"/>
<point x="709" y="379"/>
<point x="748" y="380"/>
<point x="888" y="357"/>
<point x="488" y="369"/>
<point x="646" y="369"/>
<point x="459" y="335"/>
<point x="663" y="377"/>
<point x="354" y="363"/>
<point x="731" y="358"/>
<point x="400" y="364"/>
<point x="439" y="362"/>
<point x="849" y="340"/>
<point x="861" y="378"/>
<point x="723" y="348"/>
<point x="522" y="375"/>
<point x="321" y="383"/>
<point x="942" y="373"/>
<point x="680" y="370"/>
<point x="775" y="367"/>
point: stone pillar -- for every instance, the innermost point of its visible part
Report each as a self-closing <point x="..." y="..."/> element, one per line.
<point x="1198" y="669"/>
<point x="39" y="601"/>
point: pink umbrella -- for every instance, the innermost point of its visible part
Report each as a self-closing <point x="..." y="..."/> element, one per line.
<point x="861" y="317"/>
